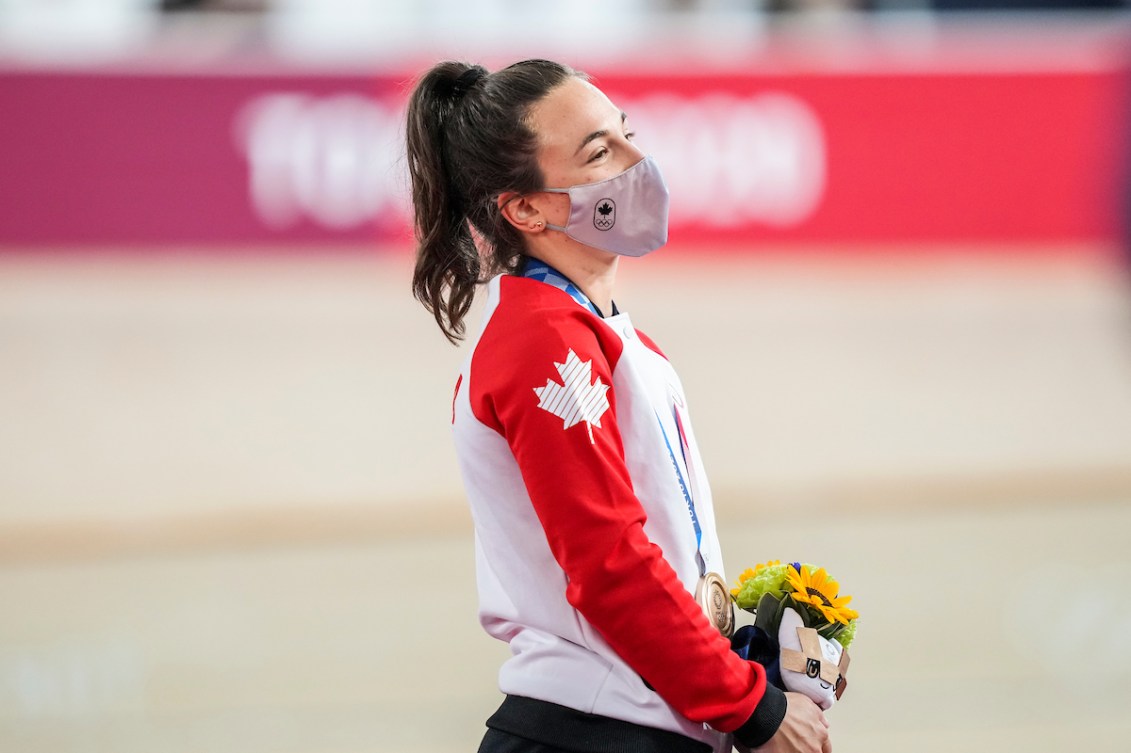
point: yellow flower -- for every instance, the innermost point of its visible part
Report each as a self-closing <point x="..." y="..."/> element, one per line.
<point x="819" y="590"/>
<point x="749" y="573"/>
<point x="746" y="575"/>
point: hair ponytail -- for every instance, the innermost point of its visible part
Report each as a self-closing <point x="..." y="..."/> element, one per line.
<point x="467" y="142"/>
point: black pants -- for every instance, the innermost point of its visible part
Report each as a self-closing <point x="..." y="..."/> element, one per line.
<point x="526" y="725"/>
<point x="497" y="741"/>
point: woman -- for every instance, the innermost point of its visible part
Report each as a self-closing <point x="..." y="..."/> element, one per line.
<point x="593" y="520"/>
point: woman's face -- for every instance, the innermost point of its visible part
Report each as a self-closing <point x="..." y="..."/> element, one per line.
<point x="582" y="138"/>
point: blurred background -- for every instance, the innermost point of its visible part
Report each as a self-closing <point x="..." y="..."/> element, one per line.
<point x="896" y="291"/>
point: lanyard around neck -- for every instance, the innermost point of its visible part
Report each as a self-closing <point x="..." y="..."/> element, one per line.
<point x="685" y="484"/>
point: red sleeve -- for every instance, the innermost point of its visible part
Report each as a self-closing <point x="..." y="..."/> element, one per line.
<point x="581" y="490"/>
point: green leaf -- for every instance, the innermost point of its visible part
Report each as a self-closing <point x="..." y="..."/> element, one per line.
<point x="768" y="616"/>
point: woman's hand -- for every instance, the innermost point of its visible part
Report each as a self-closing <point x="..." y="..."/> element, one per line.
<point x="804" y="729"/>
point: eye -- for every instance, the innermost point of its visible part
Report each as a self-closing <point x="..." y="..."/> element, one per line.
<point x="599" y="154"/>
<point x="630" y="135"/>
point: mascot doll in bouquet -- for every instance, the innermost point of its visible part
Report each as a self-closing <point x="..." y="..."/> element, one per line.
<point x="802" y="628"/>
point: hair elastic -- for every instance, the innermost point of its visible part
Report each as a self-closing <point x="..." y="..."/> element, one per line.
<point x="468" y="79"/>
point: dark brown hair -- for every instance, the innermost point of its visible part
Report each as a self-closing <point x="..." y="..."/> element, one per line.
<point x="468" y="141"/>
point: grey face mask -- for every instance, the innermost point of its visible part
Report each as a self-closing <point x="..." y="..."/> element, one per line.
<point x="626" y="214"/>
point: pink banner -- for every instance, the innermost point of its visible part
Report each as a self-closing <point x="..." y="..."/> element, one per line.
<point x="115" y="159"/>
<point x="889" y="157"/>
<point x="884" y="157"/>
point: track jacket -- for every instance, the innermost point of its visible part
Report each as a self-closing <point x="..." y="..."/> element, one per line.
<point x="572" y="434"/>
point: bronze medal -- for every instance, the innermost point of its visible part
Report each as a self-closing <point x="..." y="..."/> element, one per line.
<point x="713" y="597"/>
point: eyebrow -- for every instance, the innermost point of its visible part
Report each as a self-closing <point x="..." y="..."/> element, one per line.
<point x="599" y="134"/>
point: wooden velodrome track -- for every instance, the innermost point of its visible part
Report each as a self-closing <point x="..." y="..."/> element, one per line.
<point x="230" y="519"/>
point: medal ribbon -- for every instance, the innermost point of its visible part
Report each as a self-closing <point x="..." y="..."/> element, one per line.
<point x="685" y="488"/>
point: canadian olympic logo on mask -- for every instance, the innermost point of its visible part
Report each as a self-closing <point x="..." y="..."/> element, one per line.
<point x="605" y="214"/>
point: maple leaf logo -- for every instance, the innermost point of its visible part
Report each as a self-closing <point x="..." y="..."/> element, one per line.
<point x="604" y="214"/>
<point x="575" y="399"/>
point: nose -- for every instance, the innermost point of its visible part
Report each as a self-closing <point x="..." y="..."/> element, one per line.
<point x="632" y="154"/>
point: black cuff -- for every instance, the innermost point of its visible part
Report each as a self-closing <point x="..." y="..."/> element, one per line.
<point x="764" y="722"/>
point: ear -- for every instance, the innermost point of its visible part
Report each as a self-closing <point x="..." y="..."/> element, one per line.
<point x="787" y="630"/>
<point x="521" y="213"/>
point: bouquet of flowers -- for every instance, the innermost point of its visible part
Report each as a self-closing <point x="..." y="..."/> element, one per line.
<point x="802" y="628"/>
